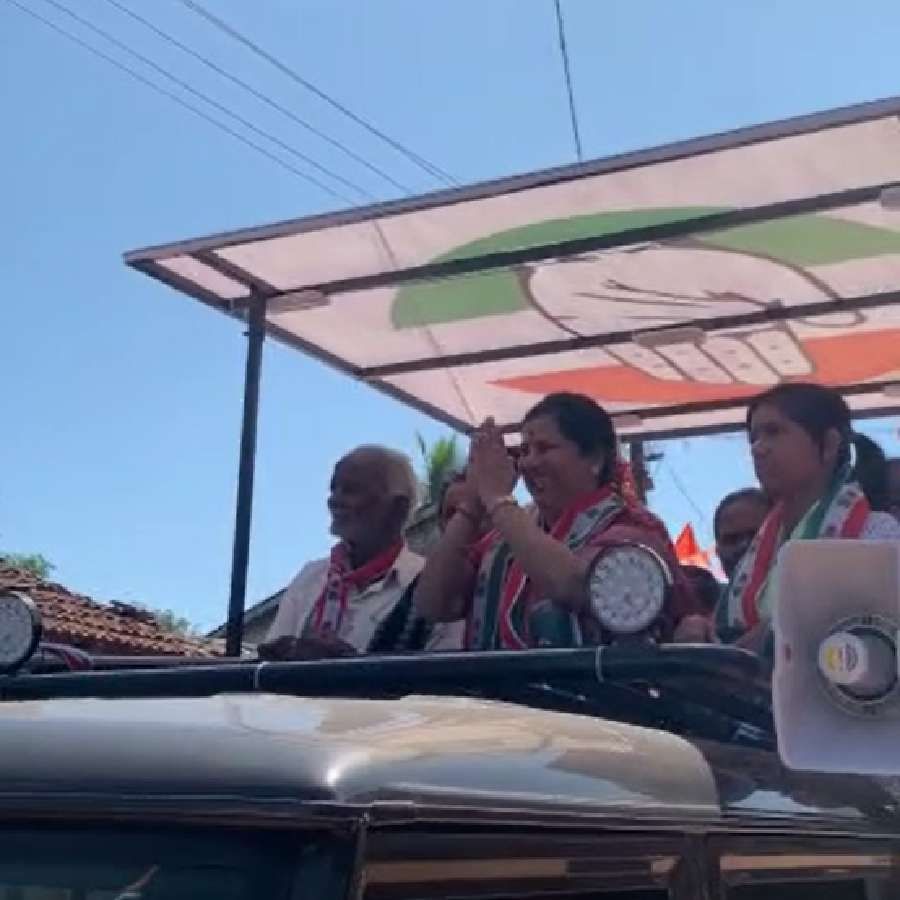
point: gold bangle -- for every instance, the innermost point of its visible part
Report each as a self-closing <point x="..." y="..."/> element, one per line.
<point x="499" y="502"/>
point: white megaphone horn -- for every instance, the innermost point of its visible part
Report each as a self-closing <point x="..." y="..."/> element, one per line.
<point x="836" y="692"/>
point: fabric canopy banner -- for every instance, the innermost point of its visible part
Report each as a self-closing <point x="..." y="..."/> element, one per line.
<point x="670" y="285"/>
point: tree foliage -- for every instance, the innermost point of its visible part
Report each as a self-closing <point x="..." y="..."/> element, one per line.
<point x="170" y="621"/>
<point x="167" y="620"/>
<point x="440" y="460"/>
<point x="36" y="563"/>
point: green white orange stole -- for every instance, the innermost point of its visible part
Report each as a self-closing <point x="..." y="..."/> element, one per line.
<point x="841" y="513"/>
<point x="504" y="613"/>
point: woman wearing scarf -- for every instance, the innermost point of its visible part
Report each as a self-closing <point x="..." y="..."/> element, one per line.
<point x="824" y="481"/>
<point x="525" y="584"/>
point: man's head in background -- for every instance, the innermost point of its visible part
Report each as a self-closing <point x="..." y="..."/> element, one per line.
<point x="736" y="520"/>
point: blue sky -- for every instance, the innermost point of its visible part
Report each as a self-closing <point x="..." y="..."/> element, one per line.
<point x="121" y="399"/>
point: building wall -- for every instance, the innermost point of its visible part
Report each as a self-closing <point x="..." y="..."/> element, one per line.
<point x="257" y="621"/>
<point x="423" y="532"/>
<point x="255" y="632"/>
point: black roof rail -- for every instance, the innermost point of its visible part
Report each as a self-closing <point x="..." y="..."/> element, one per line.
<point x="710" y="691"/>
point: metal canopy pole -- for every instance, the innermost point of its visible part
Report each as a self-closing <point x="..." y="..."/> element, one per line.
<point x="256" y="333"/>
<point x="638" y="468"/>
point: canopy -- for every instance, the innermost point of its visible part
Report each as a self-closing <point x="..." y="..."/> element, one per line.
<point x="669" y="284"/>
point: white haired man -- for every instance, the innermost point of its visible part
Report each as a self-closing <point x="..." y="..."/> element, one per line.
<point x="359" y="600"/>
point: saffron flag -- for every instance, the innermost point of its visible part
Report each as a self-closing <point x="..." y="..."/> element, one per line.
<point x="689" y="551"/>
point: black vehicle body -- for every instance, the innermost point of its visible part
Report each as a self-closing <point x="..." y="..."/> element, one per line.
<point x="411" y="796"/>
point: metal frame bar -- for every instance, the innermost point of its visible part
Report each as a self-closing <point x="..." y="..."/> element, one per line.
<point x="257" y="285"/>
<point x="853" y="390"/>
<point x="666" y="231"/>
<point x="612" y="338"/>
<point x="681" y="409"/>
<point x="638" y="461"/>
<point x="728" y="140"/>
<point x="240" y="560"/>
<point x="182" y="285"/>
<point x="429" y="672"/>
<point x="666" y="434"/>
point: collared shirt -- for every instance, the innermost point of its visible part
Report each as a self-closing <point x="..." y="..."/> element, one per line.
<point x="366" y="609"/>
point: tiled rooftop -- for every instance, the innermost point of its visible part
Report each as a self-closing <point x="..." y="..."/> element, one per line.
<point x="79" y="621"/>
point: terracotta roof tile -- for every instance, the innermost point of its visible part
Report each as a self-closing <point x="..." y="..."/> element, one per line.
<point x="77" y="620"/>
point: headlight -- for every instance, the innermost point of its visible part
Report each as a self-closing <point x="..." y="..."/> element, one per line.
<point x="627" y="588"/>
<point x="20" y="630"/>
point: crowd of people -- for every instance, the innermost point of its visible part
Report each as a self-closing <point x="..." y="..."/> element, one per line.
<point x="503" y="576"/>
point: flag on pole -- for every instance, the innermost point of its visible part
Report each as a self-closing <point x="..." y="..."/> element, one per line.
<point x="689" y="551"/>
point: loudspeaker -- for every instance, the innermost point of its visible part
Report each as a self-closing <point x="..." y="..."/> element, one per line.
<point x="836" y="693"/>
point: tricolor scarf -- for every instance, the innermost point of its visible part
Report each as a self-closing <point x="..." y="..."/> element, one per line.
<point x="328" y="614"/>
<point x="504" y="614"/>
<point x="841" y="513"/>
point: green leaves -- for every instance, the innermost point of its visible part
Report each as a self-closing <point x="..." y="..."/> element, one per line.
<point x="440" y="461"/>
<point x="35" y="563"/>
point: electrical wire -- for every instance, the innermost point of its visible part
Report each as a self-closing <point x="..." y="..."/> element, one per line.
<point x="260" y="95"/>
<point x="295" y="76"/>
<point x="61" y="7"/>
<point x="679" y="484"/>
<point x="567" y="72"/>
<point x="179" y="100"/>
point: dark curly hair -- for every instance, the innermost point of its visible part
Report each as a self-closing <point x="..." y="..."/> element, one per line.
<point x="585" y="423"/>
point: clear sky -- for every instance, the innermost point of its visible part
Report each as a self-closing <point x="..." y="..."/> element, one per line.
<point x="120" y="407"/>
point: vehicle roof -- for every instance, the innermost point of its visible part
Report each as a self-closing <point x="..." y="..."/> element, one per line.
<point x="424" y="753"/>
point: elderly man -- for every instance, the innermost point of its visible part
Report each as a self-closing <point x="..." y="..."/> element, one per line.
<point x="359" y="600"/>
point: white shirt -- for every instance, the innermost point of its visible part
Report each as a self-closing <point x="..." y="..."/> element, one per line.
<point x="880" y="526"/>
<point x="366" y="609"/>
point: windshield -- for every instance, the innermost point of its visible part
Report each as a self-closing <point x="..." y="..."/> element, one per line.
<point x="53" y="863"/>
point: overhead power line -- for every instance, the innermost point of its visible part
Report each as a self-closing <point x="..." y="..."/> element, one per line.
<point x="246" y="123"/>
<point x="137" y="76"/>
<point x="567" y="72"/>
<point x="679" y="484"/>
<point x="260" y="95"/>
<point x="295" y="76"/>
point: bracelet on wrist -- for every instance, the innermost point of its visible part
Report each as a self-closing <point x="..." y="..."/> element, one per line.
<point x="499" y="502"/>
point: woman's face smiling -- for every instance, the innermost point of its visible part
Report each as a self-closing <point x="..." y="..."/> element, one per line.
<point x="554" y="469"/>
